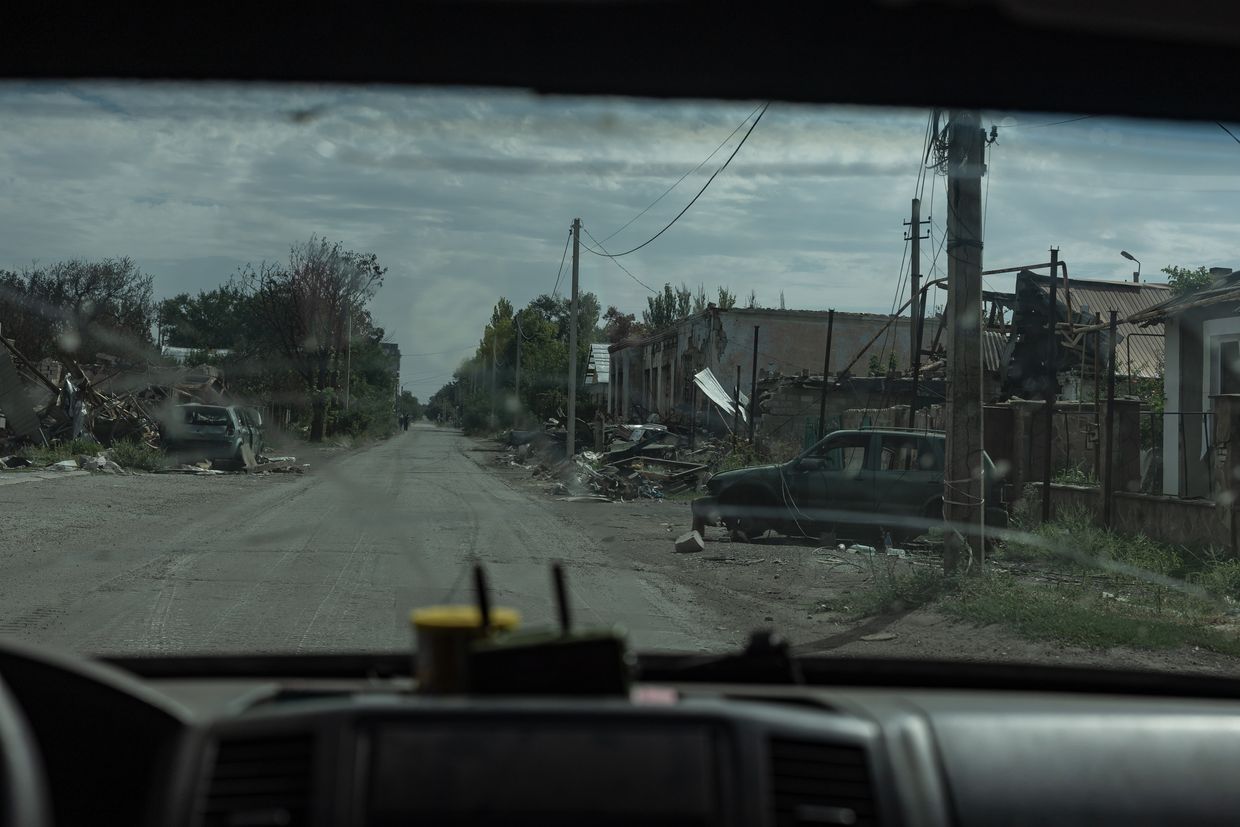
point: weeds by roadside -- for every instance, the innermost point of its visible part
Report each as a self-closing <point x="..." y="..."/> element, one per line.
<point x="137" y="456"/>
<point x="57" y="451"/>
<point x="1076" y="583"/>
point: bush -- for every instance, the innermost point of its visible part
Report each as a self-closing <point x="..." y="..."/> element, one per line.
<point x="132" y="455"/>
<point x="58" y="451"/>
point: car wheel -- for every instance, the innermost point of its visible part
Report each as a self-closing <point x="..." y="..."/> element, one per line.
<point x="738" y="517"/>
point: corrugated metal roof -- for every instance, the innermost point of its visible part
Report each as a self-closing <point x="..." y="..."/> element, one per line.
<point x="994" y="345"/>
<point x="598" y="366"/>
<point x="1224" y="289"/>
<point x="1145" y="344"/>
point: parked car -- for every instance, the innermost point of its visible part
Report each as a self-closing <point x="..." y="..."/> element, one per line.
<point x="214" y="432"/>
<point x="868" y="480"/>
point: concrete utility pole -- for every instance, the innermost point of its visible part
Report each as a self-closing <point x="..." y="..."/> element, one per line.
<point x="493" y="334"/>
<point x="571" y="445"/>
<point x="916" y="311"/>
<point x="516" y="382"/>
<point x="964" y="484"/>
<point x="1109" y="468"/>
<point x="348" y="354"/>
<point x="753" y="388"/>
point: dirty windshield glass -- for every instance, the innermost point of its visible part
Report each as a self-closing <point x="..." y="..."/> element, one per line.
<point x="735" y="365"/>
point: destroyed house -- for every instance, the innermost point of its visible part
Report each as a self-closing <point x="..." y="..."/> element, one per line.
<point x="1082" y="311"/>
<point x="655" y="374"/>
<point x="598" y="374"/>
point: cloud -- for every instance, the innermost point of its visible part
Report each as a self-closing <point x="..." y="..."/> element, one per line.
<point x="467" y="196"/>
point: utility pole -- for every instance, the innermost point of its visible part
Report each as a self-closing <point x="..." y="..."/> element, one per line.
<point x="493" y="336"/>
<point x="572" y="346"/>
<point x="516" y="383"/>
<point x="964" y="485"/>
<point x="753" y="387"/>
<point x="915" y="308"/>
<point x="826" y="370"/>
<point x="1052" y="359"/>
<point x="348" y="354"/>
<point x="1109" y="469"/>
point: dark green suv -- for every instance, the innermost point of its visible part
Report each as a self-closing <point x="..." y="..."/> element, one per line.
<point x="864" y="482"/>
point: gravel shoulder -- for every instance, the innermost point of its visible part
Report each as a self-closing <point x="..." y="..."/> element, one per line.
<point x="808" y="593"/>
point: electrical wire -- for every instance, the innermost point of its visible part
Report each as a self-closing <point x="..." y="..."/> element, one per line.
<point x="1050" y="123"/>
<point x="712" y="177"/>
<point x="1228" y="131"/>
<point x="739" y="126"/>
<point x="563" y="258"/>
<point x="617" y="263"/>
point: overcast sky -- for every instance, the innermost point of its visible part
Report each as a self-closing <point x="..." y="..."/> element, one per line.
<point x="467" y="196"/>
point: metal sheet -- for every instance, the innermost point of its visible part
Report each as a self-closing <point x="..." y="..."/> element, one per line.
<point x="710" y="385"/>
<point x="1147" y="343"/>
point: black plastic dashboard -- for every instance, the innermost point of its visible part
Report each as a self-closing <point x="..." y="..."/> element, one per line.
<point x="214" y="751"/>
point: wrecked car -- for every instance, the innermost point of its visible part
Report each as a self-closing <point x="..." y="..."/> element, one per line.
<point x="870" y="482"/>
<point x="214" y="432"/>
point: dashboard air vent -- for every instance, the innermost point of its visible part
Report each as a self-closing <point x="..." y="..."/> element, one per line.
<point x="260" y="781"/>
<point x="818" y="783"/>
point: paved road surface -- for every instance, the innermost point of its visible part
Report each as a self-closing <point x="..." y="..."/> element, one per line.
<point x="329" y="561"/>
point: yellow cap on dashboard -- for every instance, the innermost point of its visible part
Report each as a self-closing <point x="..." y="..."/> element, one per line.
<point x="463" y="617"/>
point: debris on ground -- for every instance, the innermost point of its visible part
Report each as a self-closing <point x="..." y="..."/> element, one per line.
<point x="638" y="461"/>
<point x="689" y="543"/>
<point x="59" y="401"/>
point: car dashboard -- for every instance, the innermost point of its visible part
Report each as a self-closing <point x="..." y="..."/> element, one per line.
<point x="370" y="752"/>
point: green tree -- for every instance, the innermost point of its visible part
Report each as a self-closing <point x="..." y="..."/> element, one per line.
<point x="667" y="307"/>
<point x="79" y="308"/>
<point x="727" y="299"/>
<point x="1185" y="280"/>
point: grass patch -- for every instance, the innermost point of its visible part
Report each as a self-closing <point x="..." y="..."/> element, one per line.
<point x="58" y="451"/>
<point x="1077" y="615"/>
<point x="132" y="455"/>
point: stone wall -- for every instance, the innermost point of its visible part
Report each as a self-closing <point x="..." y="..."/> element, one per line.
<point x="1165" y="519"/>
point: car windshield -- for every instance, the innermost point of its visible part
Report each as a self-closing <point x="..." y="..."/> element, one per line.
<point x="735" y="365"/>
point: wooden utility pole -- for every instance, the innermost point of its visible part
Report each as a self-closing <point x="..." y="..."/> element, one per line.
<point x="964" y="484"/>
<point x="736" y="414"/>
<point x="826" y="369"/>
<point x="571" y="445"/>
<point x="516" y="381"/>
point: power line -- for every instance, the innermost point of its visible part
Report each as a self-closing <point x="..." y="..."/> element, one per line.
<point x="563" y="257"/>
<point x="686" y="175"/>
<point x="439" y="352"/>
<point x="712" y="177"/>
<point x="1228" y="131"/>
<point x="617" y="263"/>
<point x="1050" y="123"/>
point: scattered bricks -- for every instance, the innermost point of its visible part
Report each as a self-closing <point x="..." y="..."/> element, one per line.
<point x="690" y="543"/>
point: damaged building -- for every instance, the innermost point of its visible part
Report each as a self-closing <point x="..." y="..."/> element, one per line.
<point x="654" y="374"/>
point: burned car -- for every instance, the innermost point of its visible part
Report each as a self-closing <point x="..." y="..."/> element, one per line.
<point x="213" y="432"/>
<point x="868" y="482"/>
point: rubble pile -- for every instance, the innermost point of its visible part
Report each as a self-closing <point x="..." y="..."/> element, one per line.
<point x="637" y="462"/>
<point x="52" y="401"/>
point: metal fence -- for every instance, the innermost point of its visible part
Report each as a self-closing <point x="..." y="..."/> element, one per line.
<point x="1194" y="439"/>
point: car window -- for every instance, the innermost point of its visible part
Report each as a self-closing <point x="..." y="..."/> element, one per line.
<point x="908" y="453"/>
<point x="844" y="453"/>
<point x="206" y="416"/>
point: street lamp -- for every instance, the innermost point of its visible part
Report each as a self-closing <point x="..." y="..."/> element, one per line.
<point x="1136" y="276"/>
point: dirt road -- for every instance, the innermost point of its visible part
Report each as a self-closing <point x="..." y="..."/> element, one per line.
<point x="329" y="561"/>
